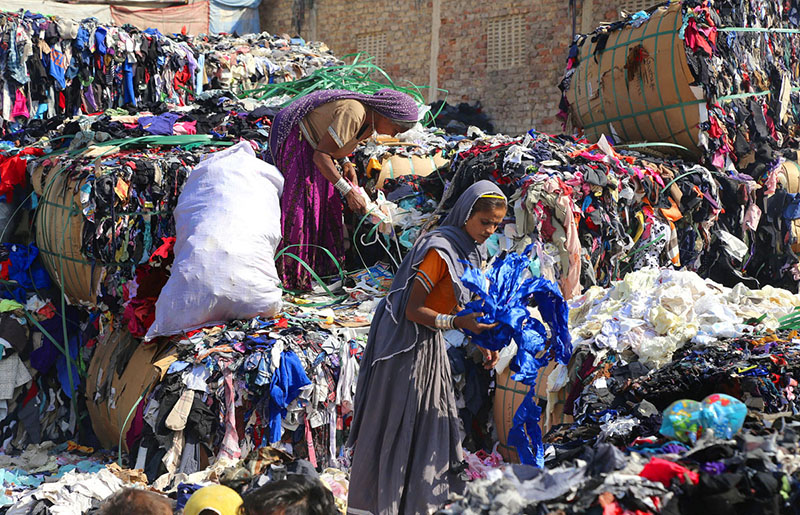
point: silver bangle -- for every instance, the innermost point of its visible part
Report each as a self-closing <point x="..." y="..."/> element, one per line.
<point x="343" y="186"/>
<point x="445" y="322"/>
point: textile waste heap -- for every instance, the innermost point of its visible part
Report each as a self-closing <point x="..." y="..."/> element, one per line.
<point x="642" y="348"/>
<point x="624" y="232"/>
<point x="718" y="79"/>
<point x="55" y="67"/>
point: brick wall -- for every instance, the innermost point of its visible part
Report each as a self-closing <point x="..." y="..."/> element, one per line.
<point x="516" y="98"/>
<point x="276" y="16"/>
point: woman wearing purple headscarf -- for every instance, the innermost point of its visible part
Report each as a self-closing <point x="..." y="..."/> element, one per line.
<point x="308" y="137"/>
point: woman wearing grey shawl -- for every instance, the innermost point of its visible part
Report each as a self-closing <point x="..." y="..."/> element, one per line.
<point x="405" y="431"/>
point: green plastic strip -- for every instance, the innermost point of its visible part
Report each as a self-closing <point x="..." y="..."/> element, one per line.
<point x="759" y="30"/>
<point x="575" y="101"/>
<point x="658" y="86"/>
<point x="283" y="252"/>
<point x="614" y="89"/>
<point x="630" y="101"/>
<point x="621" y="45"/>
<point x="651" y="144"/>
<point x="362" y="76"/>
<point x="675" y="75"/>
<point x="740" y="96"/>
<point x="184" y="140"/>
<point x="122" y="427"/>
<point x="653" y="110"/>
<point x="640" y="249"/>
<point x="676" y="179"/>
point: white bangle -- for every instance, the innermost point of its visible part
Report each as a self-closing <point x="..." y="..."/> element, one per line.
<point x="343" y="186"/>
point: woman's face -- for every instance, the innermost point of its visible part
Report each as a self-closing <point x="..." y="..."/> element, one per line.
<point x="483" y="224"/>
<point x="385" y="126"/>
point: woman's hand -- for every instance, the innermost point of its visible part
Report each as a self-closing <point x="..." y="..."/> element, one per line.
<point x="356" y="202"/>
<point x="349" y="172"/>
<point x="490" y="358"/>
<point x="470" y="323"/>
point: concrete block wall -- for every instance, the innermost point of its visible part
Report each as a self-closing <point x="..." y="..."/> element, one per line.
<point x="516" y="99"/>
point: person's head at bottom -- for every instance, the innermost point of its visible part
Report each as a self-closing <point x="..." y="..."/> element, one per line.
<point x="295" y="495"/>
<point x="213" y="500"/>
<point x="133" y="501"/>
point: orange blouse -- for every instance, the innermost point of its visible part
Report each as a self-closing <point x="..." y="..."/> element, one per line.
<point x="435" y="277"/>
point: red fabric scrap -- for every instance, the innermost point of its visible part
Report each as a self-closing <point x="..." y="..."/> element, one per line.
<point x="662" y="471"/>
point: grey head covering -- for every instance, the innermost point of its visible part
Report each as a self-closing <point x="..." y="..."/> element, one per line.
<point x="392" y="332"/>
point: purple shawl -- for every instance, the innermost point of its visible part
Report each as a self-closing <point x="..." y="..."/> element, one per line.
<point x="386" y="102"/>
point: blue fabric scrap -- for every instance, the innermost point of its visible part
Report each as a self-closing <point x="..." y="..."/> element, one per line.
<point x="284" y="388"/>
<point x="504" y="293"/>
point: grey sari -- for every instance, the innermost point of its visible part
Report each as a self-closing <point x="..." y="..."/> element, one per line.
<point x="405" y="437"/>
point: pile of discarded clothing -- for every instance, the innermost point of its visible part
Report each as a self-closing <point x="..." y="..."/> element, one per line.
<point x="755" y="472"/>
<point x="244" y="63"/>
<point x="73" y="479"/>
<point x="598" y="212"/>
<point x="719" y="80"/>
<point x="653" y="312"/>
<point x="122" y="212"/>
<point x="707" y="424"/>
<point x="58" y="466"/>
<point x="458" y="119"/>
<point x="215" y="113"/>
<point x="228" y="390"/>
<point x="58" y="68"/>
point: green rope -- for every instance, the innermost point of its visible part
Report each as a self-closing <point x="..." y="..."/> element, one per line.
<point x="122" y="427"/>
<point x="651" y="144"/>
<point x="65" y="350"/>
<point x="675" y="32"/>
<point x="759" y="30"/>
<point x="337" y="298"/>
<point x="641" y="113"/>
<point x="640" y="249"/>
<point x="676" y="179"/>
<point x="658" y="83"/>
<point x="357" y="76"/>
<point x="641" y="77"/>
<point x="630" y="101"/>
<point x="186" y="140"/>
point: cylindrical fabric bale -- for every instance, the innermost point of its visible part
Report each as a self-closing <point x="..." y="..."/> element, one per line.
<point x="637" y="88"/>
<point x="398" y="166"/>
<point x="508" y="396"/>
<point x="115" y="388"/>
<point x="59" y="234"/>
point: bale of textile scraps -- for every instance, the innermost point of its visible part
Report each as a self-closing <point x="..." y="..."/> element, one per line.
<point x="634" y="84"/>
<point x="719" y="81"/>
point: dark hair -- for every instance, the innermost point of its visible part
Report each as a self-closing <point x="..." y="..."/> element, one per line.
<point x="133" y="501"/>
<point x="404" y="125"/>
<point x="295" y="495"/>
<point x="487" y="204"/>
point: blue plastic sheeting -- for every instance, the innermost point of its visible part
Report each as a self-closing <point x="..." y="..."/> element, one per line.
<point x="504" y="293"/>
<point x="239" y="4"/>
<point x="241" y="19"/>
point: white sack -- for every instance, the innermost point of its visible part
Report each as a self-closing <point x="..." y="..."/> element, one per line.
<point x="228" y="225"/>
